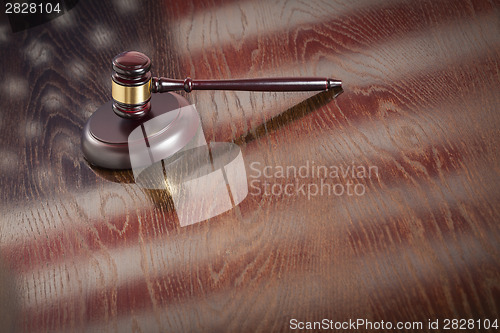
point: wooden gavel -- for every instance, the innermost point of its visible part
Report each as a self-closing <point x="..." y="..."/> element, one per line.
<point x="133" y="83"/>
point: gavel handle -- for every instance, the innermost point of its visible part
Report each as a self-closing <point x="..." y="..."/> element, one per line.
<point x="162" y="84"/>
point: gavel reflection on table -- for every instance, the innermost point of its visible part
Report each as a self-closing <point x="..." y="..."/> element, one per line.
<point x="105" y="136"/>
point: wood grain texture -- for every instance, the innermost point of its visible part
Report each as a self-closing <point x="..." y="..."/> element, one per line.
<point x="87" y="250"/>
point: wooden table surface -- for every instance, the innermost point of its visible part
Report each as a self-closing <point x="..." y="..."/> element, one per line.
<point x="86" y="250"/>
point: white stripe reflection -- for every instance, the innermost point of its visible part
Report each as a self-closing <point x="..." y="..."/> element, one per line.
<point x="237" y="21"/>
<point x="388" y="64"/>
<point x="54" y="283"/>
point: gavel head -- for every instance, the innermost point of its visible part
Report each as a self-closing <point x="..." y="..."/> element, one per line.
<point x="131" y="85"/>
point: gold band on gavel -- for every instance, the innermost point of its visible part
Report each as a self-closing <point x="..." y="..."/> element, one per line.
<point x="131" y="95"/>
